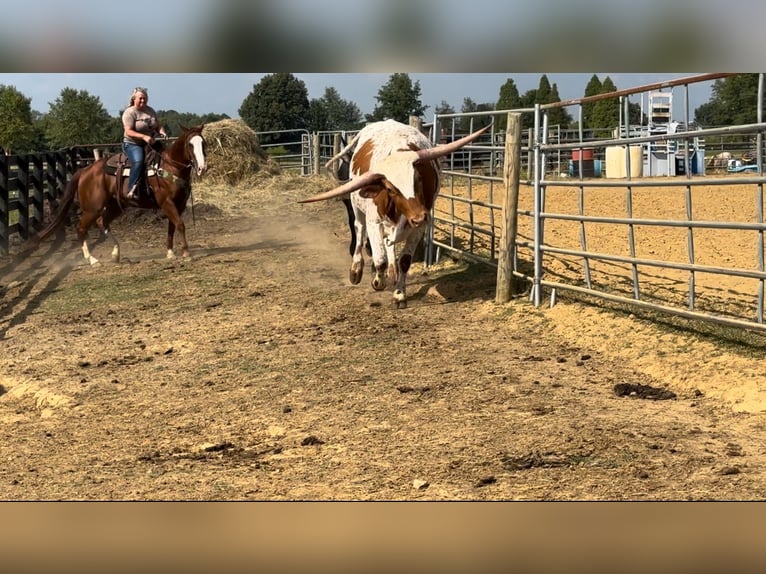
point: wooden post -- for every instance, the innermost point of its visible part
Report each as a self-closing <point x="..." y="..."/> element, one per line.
<point x="416" y="123"/>
<point x="315" y="145"/>
<point x="335" y="151"/>
<point x="511" y="168"/>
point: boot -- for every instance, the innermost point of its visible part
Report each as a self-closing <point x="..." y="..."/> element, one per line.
<point x="133" y="193"/>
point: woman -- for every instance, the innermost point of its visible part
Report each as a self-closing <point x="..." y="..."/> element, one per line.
<point x="140" y="124"/>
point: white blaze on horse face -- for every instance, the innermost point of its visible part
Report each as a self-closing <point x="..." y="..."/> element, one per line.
<point x="199" y="155"/>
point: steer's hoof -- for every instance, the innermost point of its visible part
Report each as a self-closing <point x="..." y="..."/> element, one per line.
<point x="355" y="275"/>
<point x="379" y="282"/>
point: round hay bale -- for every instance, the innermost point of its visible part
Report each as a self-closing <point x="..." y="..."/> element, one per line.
<point x="234" y="155"/>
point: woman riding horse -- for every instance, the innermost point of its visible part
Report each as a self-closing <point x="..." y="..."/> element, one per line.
<point x="102" y="200"/>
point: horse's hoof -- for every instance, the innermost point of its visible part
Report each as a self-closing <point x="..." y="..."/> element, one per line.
<point x="400" y="304"/>
<point x="170" y="254"/>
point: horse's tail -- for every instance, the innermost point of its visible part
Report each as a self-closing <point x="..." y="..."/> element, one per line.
<point x="58" y="219"/>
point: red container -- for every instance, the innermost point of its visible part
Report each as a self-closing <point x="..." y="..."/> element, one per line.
<point x="587" y="154"/>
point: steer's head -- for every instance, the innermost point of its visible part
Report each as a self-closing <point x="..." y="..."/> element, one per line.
<point x="404" y="187"/>
<point x="403" y="184"/>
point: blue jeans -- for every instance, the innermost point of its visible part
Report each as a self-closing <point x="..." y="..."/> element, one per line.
<point x="135" y="153"/>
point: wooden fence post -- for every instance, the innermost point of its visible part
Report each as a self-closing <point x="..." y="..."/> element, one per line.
<point x="511" y="168"/>
<point x="5" y="209"/>
<point x="335" y="151"/>
<point x="315" y="146"/>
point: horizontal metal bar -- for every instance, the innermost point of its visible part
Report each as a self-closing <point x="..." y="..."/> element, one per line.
<point x="659" y="181"/>
<point x="655" y="263"/>
<point x="731" y="322"/>
<point x="658" y="222"/>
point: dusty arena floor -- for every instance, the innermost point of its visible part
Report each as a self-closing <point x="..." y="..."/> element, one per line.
<point x="254" y="371"/>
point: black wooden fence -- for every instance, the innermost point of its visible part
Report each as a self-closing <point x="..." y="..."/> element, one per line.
<point x="30" y="186"/>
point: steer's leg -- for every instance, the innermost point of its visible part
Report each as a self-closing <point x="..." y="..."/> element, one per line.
<point x="379" y="257"/>
<point x="403" y="263"/>
<point x="357" y="258"/>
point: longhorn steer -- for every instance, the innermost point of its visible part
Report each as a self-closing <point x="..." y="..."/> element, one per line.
<point x="395" y="178"/>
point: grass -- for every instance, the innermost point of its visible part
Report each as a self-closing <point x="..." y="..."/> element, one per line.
<point x="102" y="291"/>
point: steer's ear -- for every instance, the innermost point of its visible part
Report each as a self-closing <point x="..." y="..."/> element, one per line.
<point x="372" y="191"/>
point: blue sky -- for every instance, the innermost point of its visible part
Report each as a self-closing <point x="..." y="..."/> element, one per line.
<point x="206" y="55"/>
<point x="224" y="92"/>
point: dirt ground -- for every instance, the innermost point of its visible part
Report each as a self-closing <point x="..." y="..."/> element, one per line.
<point x="254" y="371"/>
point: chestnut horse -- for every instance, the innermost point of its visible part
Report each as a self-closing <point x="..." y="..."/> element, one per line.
<point x="101" y="201"/>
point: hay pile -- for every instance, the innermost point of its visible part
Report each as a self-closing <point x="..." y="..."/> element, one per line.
<point x="234" y="155"/>
<point x="242" y="179"/>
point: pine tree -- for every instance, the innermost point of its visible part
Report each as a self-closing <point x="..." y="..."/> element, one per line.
<point x="398" y="99"/>
<point x="509" y="99"/>
<point x="606" y="112"/>
<point x="593" y="88"/>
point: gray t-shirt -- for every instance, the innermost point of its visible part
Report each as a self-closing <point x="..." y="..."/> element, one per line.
<point x="143" y="121"/>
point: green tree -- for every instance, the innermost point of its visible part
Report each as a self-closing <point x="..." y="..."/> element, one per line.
<point x="398" y="99"/>
<point x="444" y="108"/>
<point x="38" y="138"/>
<point x="557" y="116"/>
<point x="17" y="132"/>
<point x="509" y="99"/>
<point x="76" y="118"/>
<point x="543" y="93"/>
<point x="278" y="102"/>
<point x="331" y="112"/>
<point x="473" y="123"/>
<point x="734" y="101"/>
<point x="318" y="118"/>
<point x="606" y="112"/>
<point x="593" y="88"/>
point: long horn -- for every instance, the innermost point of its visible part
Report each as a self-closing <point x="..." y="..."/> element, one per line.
<point x="446" y="149"/>
<point x="352" y="185"/>
<point x="345" y="150"/>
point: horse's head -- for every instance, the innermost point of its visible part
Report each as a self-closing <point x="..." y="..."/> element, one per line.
<point x="192" y="145"/>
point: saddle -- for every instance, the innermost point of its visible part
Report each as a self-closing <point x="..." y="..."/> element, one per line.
<point x="118" y="164"/>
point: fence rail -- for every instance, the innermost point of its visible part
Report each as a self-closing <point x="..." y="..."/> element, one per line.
<point x="30" y="186"/>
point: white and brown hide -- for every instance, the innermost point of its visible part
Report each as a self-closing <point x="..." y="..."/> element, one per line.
<point x="395" y="179"/>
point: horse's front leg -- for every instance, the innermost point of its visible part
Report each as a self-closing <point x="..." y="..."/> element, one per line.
<point x="175" y="223"/>
<point x="169" y="239"/>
